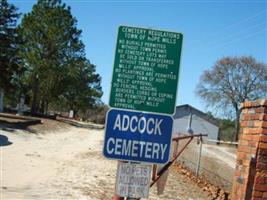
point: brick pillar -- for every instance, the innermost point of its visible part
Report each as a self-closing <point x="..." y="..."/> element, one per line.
<point x="250" y="178"/>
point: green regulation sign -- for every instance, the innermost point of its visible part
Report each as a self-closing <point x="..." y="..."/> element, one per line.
<point x="146" y="70"/>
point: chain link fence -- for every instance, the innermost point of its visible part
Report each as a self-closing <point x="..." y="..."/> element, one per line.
<point x="217" y="162"/>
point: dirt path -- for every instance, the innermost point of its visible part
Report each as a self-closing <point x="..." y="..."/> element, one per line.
<point x="69" y="165"/>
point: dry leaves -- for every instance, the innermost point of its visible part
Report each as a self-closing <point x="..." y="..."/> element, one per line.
<point x="215" y="192"/>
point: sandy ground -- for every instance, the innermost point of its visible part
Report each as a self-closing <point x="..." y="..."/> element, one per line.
<point x="223" y="154"/>
<point x="68" y="164"/>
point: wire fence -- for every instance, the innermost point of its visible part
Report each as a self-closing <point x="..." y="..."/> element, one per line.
<point x="215" y="171"/>
<point x="212" y="177"/>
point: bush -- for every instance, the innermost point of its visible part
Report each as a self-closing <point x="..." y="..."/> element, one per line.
<point x="227" y="130"/>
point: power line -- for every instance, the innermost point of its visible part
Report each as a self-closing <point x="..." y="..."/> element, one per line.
<point x="237" y="39"/>
<point x="234" y="35"/>
<point x="216" y="33"/>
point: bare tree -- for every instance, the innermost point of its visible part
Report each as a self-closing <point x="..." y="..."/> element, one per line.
<point x="231" y="81"/>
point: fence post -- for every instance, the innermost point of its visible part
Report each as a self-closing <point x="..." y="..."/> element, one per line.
<point x="175" y="148"/>
<point x="199" y="156"/>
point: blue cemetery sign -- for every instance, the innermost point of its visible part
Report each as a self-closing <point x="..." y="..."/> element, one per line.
<point x="138" y="136"/>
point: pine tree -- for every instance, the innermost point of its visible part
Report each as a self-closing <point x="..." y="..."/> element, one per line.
<point x="9" y="61"/>
<point x="8" y="43"/>
<point x="85" y="91"/>
<point x="52" y="52"/>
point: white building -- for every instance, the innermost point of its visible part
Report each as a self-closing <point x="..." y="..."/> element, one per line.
<point x="189" y="120"/>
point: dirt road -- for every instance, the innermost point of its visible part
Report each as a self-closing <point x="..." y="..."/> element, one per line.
<point x="68" y="164"/>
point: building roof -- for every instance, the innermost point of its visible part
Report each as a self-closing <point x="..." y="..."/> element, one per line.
<point x="196" y="112"/>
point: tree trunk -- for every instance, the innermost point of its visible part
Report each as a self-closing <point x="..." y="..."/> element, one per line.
<point x="34" y="98"/>
<point x="1" y="100"/>
<point x="46" y="107"/>
<point x="42" y="108"/>
<point x="75" y="114"/>
<point x="237" y="113"/>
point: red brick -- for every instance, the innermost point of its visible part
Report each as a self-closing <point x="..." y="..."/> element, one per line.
<point x="244" y="110"/>
<point x="261" y="110"/>
<point x="249" y="137"/>
<point x="262" y="124"/>
<point x="243" y="124"/>
<point x="262" y="158"/>
<point x="246" y="162"/>
<point x="263" y="152"/>
<point x="247" y="117"/>
<point x="261" y="166"/>
<point x="263" y="138"/>
<point x="263" y="117"/>
<point x="252" y="117"/>
<point x="247" y="130"/>
<point x="244" y="137"/>
<point x="247" y="104"/>
<point x="263" y="145"/>
<point x="250" y="130"/>
<point x="251" y="104"/>
<point x="261" y="187"/>
<point x="259" y="180"/>
<point x="254" y="131"/>
<point x="247" y="124"/>
<point x="255" y="137"/>
<point x="253" y="150"/>
<point x="264" y="131"/>
<point x="257" y="194"/>
<point x="255" y="123"/>
<point x="253" y="143"/>
<point x="244" y="142"/>
<point x="244" y="149"/>
<point x="241" y="155"/>
<point x="252" y="147"/>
